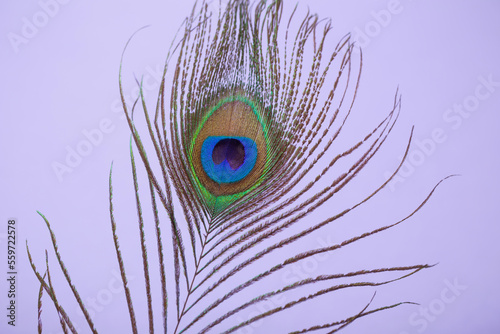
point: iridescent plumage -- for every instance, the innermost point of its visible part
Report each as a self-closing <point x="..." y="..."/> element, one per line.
<point x="245" y="145"/>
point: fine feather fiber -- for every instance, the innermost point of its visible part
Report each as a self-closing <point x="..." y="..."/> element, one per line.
<point x="241" y="160"/>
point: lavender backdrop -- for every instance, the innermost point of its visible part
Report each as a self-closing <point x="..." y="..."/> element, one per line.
<point x="59" y="70"/>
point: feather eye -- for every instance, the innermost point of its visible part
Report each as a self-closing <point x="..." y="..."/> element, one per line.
<point x="229" y="151"/>
<point x="245" y="144"/>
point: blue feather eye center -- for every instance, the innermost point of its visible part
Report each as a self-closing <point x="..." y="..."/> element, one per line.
<point x="231" y="150"/>
<point x="228" y="159"/>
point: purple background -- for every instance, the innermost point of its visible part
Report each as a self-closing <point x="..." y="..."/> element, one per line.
<point x="63" y="81"/>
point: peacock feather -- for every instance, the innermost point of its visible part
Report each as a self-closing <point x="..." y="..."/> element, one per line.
<point x="240" y="153"/>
